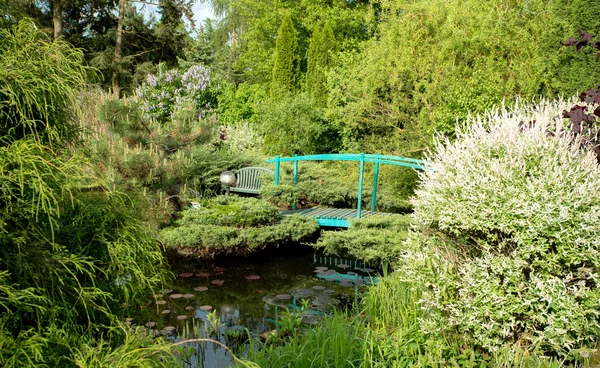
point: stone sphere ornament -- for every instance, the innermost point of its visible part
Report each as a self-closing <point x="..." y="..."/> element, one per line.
<point x="228" y="179"/>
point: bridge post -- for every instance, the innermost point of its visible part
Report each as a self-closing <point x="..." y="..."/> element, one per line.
<point x="360" y="185"/>
<point x="277" y="170"/>
<point x="295" y="177"/>
<point x="375" y="179"/>
<point x="295" y="169"/>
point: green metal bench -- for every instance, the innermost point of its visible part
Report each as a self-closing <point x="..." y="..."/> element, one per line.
<point x="249" y="180"/>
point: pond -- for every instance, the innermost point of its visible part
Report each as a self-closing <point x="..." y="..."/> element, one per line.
<point x="224" y="297"/>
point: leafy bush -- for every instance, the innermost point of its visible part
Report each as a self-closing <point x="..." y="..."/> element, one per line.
<point x="169" y="91"/>
<point x="295" y="125"/>
<point x="508" y="243"/>
<point x="375" y="239"/>
<point x="433" y="62"/>
<point x="232" y="224"/>
<point x="38" y="83"/>
<point x="241" y="137"/>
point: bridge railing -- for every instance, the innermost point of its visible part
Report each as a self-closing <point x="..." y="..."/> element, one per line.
<point x="359" y="157"/>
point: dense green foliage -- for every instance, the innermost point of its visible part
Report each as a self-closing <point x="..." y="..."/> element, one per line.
<point x="285" y="66"/>
<point x="374" y="240"/>
<point x="292" y="124"/>
<point x="320" y="58"/>
<point x="38" y="81"/>
<point x="503" y="246"/>
<point x="509" y="206"/>
<point x="438" y="61"/>
<point x="73" y="253"/>
<point x="231" y="224"/>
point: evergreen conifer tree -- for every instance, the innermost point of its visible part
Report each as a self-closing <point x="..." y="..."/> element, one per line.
<point x="322" y="44"/>
<point x="286" y="67"/>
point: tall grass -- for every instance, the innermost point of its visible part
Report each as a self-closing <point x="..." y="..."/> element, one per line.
<point x="385" y="333"/>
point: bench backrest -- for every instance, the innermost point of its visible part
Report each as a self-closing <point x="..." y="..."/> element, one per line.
<point x="250" y="177"/>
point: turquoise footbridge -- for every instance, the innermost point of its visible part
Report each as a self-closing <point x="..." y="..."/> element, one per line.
<point x="340" y="217"/>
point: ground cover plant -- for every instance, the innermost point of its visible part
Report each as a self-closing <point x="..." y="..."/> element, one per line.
<point x="505" y="242"/>
<point x="238" y="225"/>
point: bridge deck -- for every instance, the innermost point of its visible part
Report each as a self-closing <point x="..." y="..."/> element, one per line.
<point x="333" y="217"/>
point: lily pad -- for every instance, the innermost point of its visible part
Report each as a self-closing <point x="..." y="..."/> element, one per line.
<point x="176" y="296"/>
<point x="189" y="307"/>
<point x="319" y="287"/>
<point x="343" y="266"/>
<point x="186" y="274"/>
<point x="329" y="291"/>
<point x="169" y="328"/>
<point x="182" y="317"/>
<point x="219" y="269"/>
<point x="188" y="296"/>
<point x="283" y="296"/>
<point x="217" y="282"/>
<point x="167" y="291"/>
<point x="206" y="307"/>
<point x="203" y="274"/>
<point x="252" y="277"/>
<point x="166" y="311"/>
<point x="161" y="302"/>
<point x="201" y="288"/>
<point x="151" y="324"/>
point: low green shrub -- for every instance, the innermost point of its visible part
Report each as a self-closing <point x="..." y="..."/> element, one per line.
<point x="376" y="239"/>
<point x="232" y="224"/>
<point x="506" y="243"/>
<point x="231" y="211"/>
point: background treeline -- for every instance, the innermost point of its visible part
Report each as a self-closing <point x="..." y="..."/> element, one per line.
<point x="337" y="75"/>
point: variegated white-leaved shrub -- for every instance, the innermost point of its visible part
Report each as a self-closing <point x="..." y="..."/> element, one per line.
<point x="507" y="241"/>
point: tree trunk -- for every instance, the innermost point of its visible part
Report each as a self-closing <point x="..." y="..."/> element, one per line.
<point x="57" y="18"/>
<point x="117" y="59"/>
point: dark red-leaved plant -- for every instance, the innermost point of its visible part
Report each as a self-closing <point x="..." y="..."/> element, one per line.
<point x="583" y="120"/>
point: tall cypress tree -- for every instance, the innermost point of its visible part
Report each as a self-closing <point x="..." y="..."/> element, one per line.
<point x="322" y="45"/>
<point x="286" y="67"/>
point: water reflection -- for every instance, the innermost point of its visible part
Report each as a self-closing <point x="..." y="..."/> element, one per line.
<point x="194" y="307"/>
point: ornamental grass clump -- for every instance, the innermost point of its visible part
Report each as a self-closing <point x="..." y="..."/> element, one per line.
<point x="506" y="239"/>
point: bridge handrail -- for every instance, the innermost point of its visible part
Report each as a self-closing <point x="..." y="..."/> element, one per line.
<point x="373" y="158"/>
<point x="360" y="157"/>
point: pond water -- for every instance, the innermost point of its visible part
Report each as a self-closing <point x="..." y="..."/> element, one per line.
<point x="224" y="297"/>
